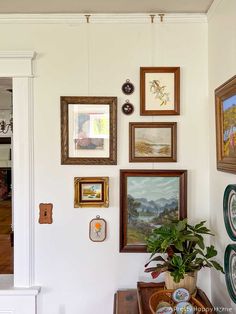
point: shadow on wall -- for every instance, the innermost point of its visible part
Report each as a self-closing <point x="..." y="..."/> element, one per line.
<point x="221" y="293"/>
<point x="62" y="309"/>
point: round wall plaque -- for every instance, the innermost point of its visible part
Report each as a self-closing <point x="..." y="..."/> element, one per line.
<point x="127" y="108"/>
<point x="127" y="88"/>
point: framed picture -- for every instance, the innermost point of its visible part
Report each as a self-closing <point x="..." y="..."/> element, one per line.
<point x="230" y="270"/>
<point x="91" y="192"/>
<point x="229" y="205"/>
<point x="159" y="91"/>
<point x="97" y="229"/>
<point x="152" y="141"/>
<point x="148" y="198"/>
<point x="225" y="106"/>
<point x="88" y="130"/>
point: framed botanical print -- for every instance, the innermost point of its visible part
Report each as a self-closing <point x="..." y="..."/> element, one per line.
<point x="225" y="107"/>
<point x="149" y="198"/>
<point x="88" y="130"/>
<point x="159" y="91"/>
<point x="152" y="141"/>
<point x="91" y="192"/>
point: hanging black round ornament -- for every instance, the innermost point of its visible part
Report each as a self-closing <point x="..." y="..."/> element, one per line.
<point x="127" y="108"/>
<point x="127" y="88"/>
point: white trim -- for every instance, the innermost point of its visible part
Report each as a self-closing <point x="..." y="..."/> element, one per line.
<point x="18" y="65"/>
<point x="213" y="8"/>
<point x="142" y="18"/>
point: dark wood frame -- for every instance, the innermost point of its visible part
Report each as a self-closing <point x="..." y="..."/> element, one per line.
<point x="134" y="125"/>
<point x="226" y="90"/>
<point x="65" y="158"/>
<point x="105" y="231"/>
<point x="124" y="174"/>
<point x="146" y="112"/>
<point x="78" y="202"/>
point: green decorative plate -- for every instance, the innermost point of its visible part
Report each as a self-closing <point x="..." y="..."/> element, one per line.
<point x="229" y="205"/>
<point x="230" y="270"/>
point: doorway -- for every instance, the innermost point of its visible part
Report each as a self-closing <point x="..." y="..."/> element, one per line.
<point x="6" y="216"/>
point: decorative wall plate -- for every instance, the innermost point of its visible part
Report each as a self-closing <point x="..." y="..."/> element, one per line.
<point x="127" y="88"/>
<point x="229" y="205"/>
<point x="97" y="229"/>
<point x="230" y="270"/>
<point x="127" y="108"/>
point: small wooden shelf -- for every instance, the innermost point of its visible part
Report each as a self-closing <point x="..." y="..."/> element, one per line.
<point x="135" y="301"/>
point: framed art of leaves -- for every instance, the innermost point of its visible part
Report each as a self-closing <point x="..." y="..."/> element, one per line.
<point x="225" y="107"/>
<point x="88" y="130"/>
<point x="159" y="91"/>
<point x="148" y="198"/>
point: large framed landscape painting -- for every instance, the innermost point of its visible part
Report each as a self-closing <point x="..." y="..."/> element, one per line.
<point x="149" y="198"/>
<point x="225" y="106"/>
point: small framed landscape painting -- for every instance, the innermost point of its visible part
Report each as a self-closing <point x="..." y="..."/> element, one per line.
<point x="159" y="91"/>
<point x="225" y="106"/>
<point x="149" y="198"/>
<point x="230" y="270"/>
<point x="91" y="192"/>
<point x="229" y="205"/>
<point x="152" y="141"/>
<point x="88" y="130"/>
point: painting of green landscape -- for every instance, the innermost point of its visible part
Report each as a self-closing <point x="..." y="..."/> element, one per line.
<point x="229" y="126"/>
<point x="151" y="201"/>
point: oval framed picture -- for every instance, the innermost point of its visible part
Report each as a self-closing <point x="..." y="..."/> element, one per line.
<point x="229" y="206"/>
<point x="230" y="270"/>
<point x="97" y="229"/>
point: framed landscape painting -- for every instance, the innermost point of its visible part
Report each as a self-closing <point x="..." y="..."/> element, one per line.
<point x="149" y="198"/>
<point x="152" y="141"/>
<point x="225" y="106"/>
<point x="88" y="130"/>
<point x="91" y="192"/>
<point x="159" y="91"/>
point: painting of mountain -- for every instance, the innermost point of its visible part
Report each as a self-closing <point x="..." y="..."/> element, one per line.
<point x="151" y="201"/>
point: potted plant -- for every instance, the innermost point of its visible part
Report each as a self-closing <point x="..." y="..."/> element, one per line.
<point x="185" y="250"/>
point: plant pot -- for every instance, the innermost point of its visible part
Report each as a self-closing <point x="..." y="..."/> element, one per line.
<point x="189" y="282"/>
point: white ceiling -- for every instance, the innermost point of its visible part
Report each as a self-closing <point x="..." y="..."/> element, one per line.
<point x="105" y="6"/>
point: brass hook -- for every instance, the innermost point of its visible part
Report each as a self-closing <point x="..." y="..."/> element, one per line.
<point x="87" y="17"/>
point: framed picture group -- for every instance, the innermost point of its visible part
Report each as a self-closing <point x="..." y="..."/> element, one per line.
<point x="89" y="137"/>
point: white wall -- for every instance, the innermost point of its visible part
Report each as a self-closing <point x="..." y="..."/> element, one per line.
<point x="78" y="276"/>
<point x="222" y="66"/>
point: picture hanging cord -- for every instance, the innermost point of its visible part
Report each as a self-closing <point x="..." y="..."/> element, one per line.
<point x="87" y="16"/>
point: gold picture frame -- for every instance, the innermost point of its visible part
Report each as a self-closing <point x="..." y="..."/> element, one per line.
<point x="91" y="192"/>
<point x="88" y="130"/>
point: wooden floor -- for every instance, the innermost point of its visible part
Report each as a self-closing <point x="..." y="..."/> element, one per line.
<point x="6" y="250"/>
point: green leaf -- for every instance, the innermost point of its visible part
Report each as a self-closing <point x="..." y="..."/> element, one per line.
<point x="211" y="252"/>
<point x="197" y="226"/>
<point x="155" y="259"/>
<point x="217" y="266"/>
<point x="181" y="225"/>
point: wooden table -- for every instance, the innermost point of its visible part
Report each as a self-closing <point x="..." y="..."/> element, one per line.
<point x="135" y="301"/>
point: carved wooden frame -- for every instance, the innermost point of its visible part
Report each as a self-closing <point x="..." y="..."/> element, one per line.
<point x="98" y="101"/>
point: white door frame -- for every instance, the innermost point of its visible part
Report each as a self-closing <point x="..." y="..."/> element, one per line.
<point x="18" y="66"/>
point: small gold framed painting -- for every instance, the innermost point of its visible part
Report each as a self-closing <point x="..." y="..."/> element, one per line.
<point x="97" y="229"/>
<point x="91" y="192"/>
